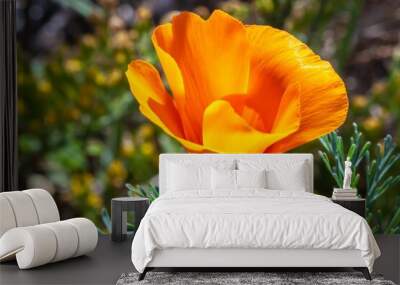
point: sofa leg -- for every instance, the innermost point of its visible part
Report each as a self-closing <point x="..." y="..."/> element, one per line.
<point x="143" y="274"/>
<point x="364" y="271"/>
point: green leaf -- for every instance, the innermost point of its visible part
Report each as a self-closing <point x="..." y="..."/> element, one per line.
<point x="362" y="153"/>
<point x="105" y="216"/>
<point x="169" y="145"/>
<point x="84" y="7"/>
<point x="325" y="143"/>
<point x="354" y="180"/>
<point x="351" y="151"/>
<point x="394" y="223"/>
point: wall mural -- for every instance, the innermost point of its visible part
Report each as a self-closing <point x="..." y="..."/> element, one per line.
<point x="320" y="77"/>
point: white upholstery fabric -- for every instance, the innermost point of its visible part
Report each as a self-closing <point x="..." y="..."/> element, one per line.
<point x="7" y="219"/>
<point x="66" y="237"/>
<point x="87" y="235"/>
<point x="31" y="232"/>
<point x="45" y="243"/>
<point x="284" y="174"/>
<point x="251" y="178"/>
<point x="23" y="209"/>
<point x="32" y="246"/>
<point x="174" y="171"/>
<point x="223" y="179"/>
<point x="45" y="206"/>
<point x="231" y="180"/>
<point x="183" y="178"/>
<point x="255" y="257"/>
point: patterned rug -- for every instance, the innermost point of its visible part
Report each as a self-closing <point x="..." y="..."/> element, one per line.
<point x="243" y="278"/>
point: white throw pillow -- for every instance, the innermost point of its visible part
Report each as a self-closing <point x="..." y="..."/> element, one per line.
<point x="181" y="177"/>
<point x="223" y="179"/>
<point x="251" y="178"/>
<point x="226" y="179"/>
<point x="293" y="179"/>
<point x="281" y="174"/>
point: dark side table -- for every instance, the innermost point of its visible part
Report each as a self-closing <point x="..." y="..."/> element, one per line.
<point x="357" y="205"/>
<point x="119" y="208"/>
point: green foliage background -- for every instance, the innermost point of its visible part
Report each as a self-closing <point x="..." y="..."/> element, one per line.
<point x="82" y="137"/>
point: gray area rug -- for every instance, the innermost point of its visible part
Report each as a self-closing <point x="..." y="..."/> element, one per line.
<point x="232" y="278"/>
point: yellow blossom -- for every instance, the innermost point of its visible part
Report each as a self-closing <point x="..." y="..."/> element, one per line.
<point x="88" y="179"/>
<point x="94" y="200"/>
<point x="266" y="6"/>
<point x="127" y="147"/>
<point x="371" y="124"/>
<point x="147" y="148"/>
<point x="378" y="87"/>
<point x="120" y="57"/>
<point x="115" y="23"/>
<point x="72" y="65"/>
<point x="121" y="40"/>
<point x="114" y="77"/>
<point x="360" y="102"/>
<point x="44" y="86"/>
<point x="74" y="113"/>
<point x="143" y="13"/>
<point x="81" y="184"/>
<point x="76" y="186"/>
<point x="100" y="79"/>
<point x="89" y="41"/>
<point x="117" y="173"/>
<point x="145" y="131"/>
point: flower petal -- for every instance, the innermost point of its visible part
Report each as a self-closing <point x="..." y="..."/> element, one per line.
<point x="323" y="99"/>
<point x="211" y="56"/>
<point x="154" y="101"/>
<point x="288" y="116"/>
<point x="224" y="131"/>
<point x="162" y="37"/>
<point x="244" y="108"/>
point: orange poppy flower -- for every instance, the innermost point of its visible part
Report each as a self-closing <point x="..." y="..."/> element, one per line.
<point x="237" y="88"/>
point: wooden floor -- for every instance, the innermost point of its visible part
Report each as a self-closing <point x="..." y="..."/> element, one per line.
<point x="103" y="266"/>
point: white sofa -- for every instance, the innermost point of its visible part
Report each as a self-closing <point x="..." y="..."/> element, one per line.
<point x="31" y="231"/>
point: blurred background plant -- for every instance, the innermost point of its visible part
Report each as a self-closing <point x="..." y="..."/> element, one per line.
<point x="378" y="176"/>
<point x="80" y="133"/>
<point x="334" y="147"/>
